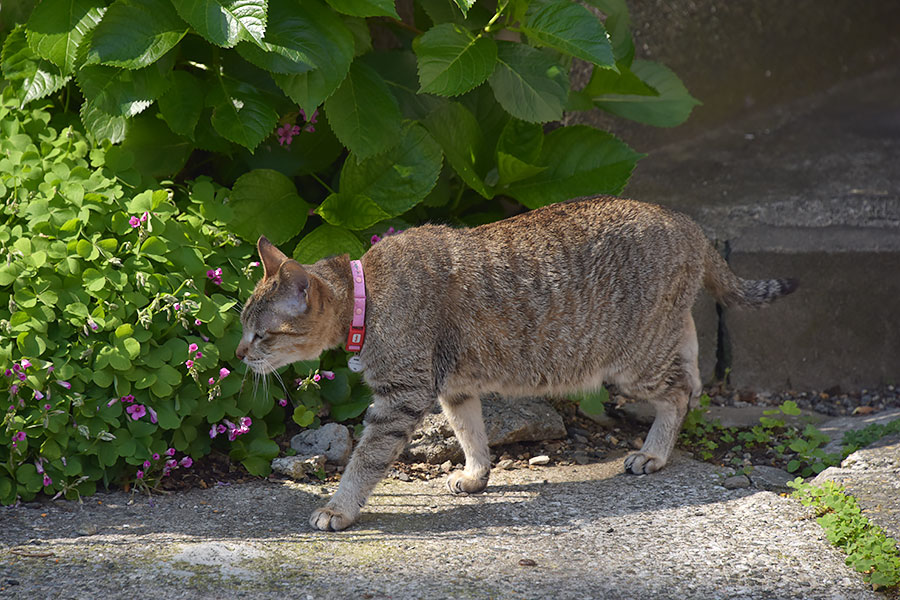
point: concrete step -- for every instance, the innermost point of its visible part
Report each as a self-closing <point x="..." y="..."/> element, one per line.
<point x="809" y="190"/>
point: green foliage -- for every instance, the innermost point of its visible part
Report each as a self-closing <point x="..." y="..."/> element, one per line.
<point x="441" y="109"/>
<point x="801" y="449"/>
<point x="868" y="549"/>
<point x="854" y="440"/>
<point x="104" y="286"/>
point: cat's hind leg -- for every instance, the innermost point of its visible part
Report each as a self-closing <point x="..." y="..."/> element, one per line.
<point x="464" y="414"/>
<point x="395" y="413"/>
<point x="678" y="384"/>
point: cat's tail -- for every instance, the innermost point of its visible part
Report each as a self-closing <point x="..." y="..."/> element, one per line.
<point x="730" y="290"/>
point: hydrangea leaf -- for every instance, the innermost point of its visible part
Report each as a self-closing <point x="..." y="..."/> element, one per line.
<point x="365" y="8"/>
<point x="452" y="61"/>
<point x="672" y="106"/>
<point x="33" y="76"/>
<point x="529" y="83"/>
<point x="241" y="113"/>
<point x="457" y="131"/>
<point x="225" y="22"/>
<point x="326" y="240"/>
<point x="56" y="29"/>
<point x="135" y="33"/>
<point x="570" y="28"/>
<point x="265" y="202"/>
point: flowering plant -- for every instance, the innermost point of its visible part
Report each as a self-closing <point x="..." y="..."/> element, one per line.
<point x="114" y="344"/>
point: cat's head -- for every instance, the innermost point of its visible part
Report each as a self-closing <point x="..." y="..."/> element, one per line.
<point x="288" y="318"/>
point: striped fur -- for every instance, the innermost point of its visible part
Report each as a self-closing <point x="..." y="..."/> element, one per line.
<point x="554" y="300"/>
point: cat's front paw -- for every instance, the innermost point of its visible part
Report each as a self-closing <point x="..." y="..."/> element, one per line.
<point x="330" y="519"/>
<point x="641" y="463"/>
<point x="460" y="483"/>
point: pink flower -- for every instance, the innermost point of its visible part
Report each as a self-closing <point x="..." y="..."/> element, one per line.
<point x="199" y="355"/>
<point x="13" y="389"/>
<point x="8" y="373"/>
<point x="25" y="364"/>
<point x="255" y="263"/>
<point x="213" y="432"/>
<point x="22" y="377"/>
<point x="47" y="407"/>
<point x="39" y="465"/>
<point x="329" y="375"/>
<point x="171" y="463"/>
<point x="38" y="395"/>
<point x="215" y="276"/>
<point x="220" y="428"/>
<point x="375" y="239"/>
<point x="223" y="373"/>
<point x="198" y="322"/>
<point x="136" y="411"/>
<point x="212" y="381"/>
<point x="189" y="364"/>
<point x="192" y="348"/>
<point x="113" y="401"/>
<point x="129" y="398"/>
<point x="147" y="464"/>
<point x="246" y="422"/>
<point x="283" y="402"/>
<point x="17" y="367"/>
<point x="170" y="452"/>
<point x="140" y="474"/>
<point x="65" y="384"/>
<point x="47" y="480"/>
<point x="134" y="222"/>
<point x="186" y="462"/>
<point x="152" y="416"/>
<point x="145" y="217"/>
<point x="19" y="437"/>
<point x="93" y="325"/>
<point x="317" y="378"/>
<point x="155" y="456"/>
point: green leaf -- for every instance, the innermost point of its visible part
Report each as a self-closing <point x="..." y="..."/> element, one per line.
<point x="464" y="6"/>
<point x="605" y="82"/>
<point x="57" y="27"/>
<point x="122" y="92"/>
<point x="326" y="240"/>
<point x="241" y="113"/>
<point x="457" y="131"/>
<point x="353" y="211"/>
<point x="363" y="113"/>
<point x="618" y="24"/>
<point x="225" y="22"/>
<point x="671" y="107"/>
<point x="365" y="8"/>
<point x="303" y="416"/>
<point x="400" y="178"/>
<point x="34" y="77"/>
<point x="265" y="202"/>
<point x="593" y="403"/>
<point x="572" y="29"/>
<point x="529" y="83"/>
<point x="135" y="33"/>
<point x="452" y="61"/>
<point x="162" y="152"/>
<point x="300" y="38"/>
<point x="103" y="126"/>
<point x="182" y="104"/>
<point x="579" y="161"/>
<point x="518" y="149"/>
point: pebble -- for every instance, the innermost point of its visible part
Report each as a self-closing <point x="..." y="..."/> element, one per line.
<point x="581" y="458"/>
<point x="736" y="482"/>
<point x="637" y="442"/>
<point x="87" y="529"/>
<point x="506" y="464"/>
<point x="402" y="476"/>
<point x="446" y="466"/>
<point x="543" y="459"/>
<point x="612" y="439"/>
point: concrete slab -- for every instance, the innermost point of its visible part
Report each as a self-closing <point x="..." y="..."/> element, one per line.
<point x="808" y="190"/>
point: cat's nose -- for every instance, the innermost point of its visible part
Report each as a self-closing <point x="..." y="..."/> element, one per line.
<point x="241" y="351"/>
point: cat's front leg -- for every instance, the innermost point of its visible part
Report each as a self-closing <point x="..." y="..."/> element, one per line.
<point x="464" y="415"/>
<point x="389" y="423"/>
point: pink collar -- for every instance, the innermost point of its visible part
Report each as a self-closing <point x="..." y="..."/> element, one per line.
<point x="357" y="334"/>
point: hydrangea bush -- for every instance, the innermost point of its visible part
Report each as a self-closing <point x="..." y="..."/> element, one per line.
<point x="118" y="322"/>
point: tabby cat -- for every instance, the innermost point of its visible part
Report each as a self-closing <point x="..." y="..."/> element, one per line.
<point x="550" y="301"/>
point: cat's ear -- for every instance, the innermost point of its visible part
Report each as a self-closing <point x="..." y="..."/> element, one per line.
<point x="271" y="257"/>
<point x="293" y="280"/>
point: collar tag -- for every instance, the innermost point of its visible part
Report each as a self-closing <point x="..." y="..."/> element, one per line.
<point x="357" y="335"/>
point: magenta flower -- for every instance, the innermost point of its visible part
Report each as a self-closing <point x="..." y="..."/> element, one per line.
<point x="213" y="432"/>
<point x="17" y="367"/>
<point x="171" y="463"/>
<point x="246" y="422"/>
<point x="13" y="389"/>
<point x="136" y="411"/>
<point x="47" y="480"/>
<point x="19" y="437"/>
<point x="152" y="416"/>
<point x="286" y="134"/>
<point x="329" y="375"/>
<point x="375" y="239"/>
<point x="145" y="217"/>
<point x="223" y="373"/>
<point x="129" y="398"/>
<point x="215" y="276"/>
<point x="317" y="378"/>
<point x="199" y="355"/>
<point x="189" y="364"/>
<point x="147" y="464"/>
<point x="93" y="325"/>
<point x="65" y="384"/>
<point x="198" y="322"/>
<point x="177" y="306"/>
<point x="140" y="474"/>
<point x="22" y="377"/>
<point x="47" y="407"/>
<point x="38" y="395"/>
<point x="170" y="452"/>
<point x="255" y="263"/>
<point x="283" y="402"/>
<point x="156" y="456"/>
<point x="134" y="222"/>
<point x="111" y="402"/>
<point x="192" y="348"/>
<point x="39" y="465"/>
<point x="25" y="364"/>
<point x="220" y="428"/>
<point x="8" y="373"/>
<point x="186" y="462"/>
<point x="211" y="381"/>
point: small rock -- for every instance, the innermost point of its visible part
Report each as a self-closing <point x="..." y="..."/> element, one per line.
<point x="543" y="459"/>
<point x="298" y="467"/>
<point x="446" y="466"/>
<point x="581" y="458"/>
<point x="770" y="478"/>
<point x="580" y="438"/>
<point x="87" y="529"/>
<point x="527" y="562"/>
<point x="736" y="482"/>
<point x="403" y="476"/>
<point x="610" y="438"/>
<point x="506" y="464"/>
<point x="332" y="439"/>
<point x="637" y="443"/>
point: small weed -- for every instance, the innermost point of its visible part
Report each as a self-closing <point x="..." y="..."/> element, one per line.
<point x="868" y="549"/>
<point x="854" y="440"/>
